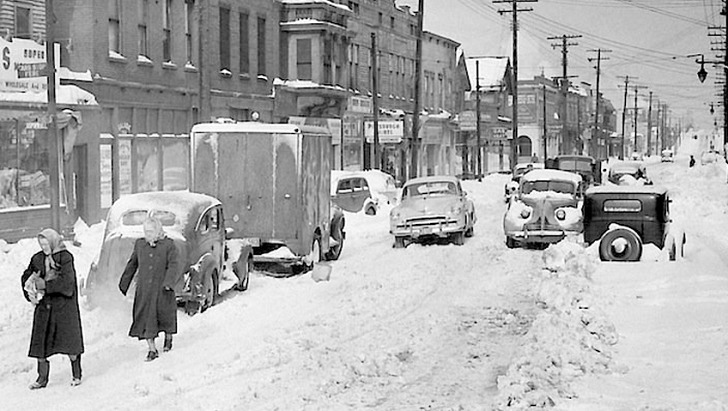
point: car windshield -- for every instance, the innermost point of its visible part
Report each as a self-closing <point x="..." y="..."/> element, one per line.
<point x="137" y="217"/>
<point x="574" y="165"/>
<point x="430" y="188"/>
<point x="564" y="187"/>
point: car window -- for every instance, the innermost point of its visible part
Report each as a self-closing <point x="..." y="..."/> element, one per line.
<point x="215" y="219"/>
<point x="622" y="206"/>
<point x="137" y="217"/>
<point x="430" y="188"/>
<point x="344" y="186"/>
<point x="547" y="185"/>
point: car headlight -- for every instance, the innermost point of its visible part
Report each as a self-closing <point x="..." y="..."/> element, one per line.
<point x="525" y="213"/>
<point x="456" y="209"/>
<point x="561" y="214"/>
<point x="395" y="215"/>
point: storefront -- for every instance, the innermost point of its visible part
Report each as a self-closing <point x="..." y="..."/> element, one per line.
<point x="25" y="166"/>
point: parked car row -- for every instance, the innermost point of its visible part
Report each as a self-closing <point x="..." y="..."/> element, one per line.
<point x="620" y="216"/>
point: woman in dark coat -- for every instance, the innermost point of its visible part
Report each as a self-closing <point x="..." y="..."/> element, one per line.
<point x="49" y="282"/>
<point x="154" y="261"/>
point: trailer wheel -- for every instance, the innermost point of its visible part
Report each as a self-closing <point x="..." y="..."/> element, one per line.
<point x="314" y="257"/>
<point x="621" y="244"/>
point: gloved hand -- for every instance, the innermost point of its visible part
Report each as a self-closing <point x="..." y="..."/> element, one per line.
<point x="40" y="283"/>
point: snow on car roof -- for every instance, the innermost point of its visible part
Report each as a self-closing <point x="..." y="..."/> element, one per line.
<point x="431" y="179"/>
<point x="626" y="166"/>
<point x="648" y="189"/>
<point x="551" y="174"/>
<point x="178" y="202"/>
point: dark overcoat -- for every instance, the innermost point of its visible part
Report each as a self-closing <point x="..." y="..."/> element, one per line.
<point x="57" y="320"/>
<point x="155" y="306"/>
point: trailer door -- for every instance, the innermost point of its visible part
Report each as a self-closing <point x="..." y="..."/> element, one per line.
<point x="287" y="197"/>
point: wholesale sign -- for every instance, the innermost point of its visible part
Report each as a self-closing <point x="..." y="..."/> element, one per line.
<point x="22" y="65"/>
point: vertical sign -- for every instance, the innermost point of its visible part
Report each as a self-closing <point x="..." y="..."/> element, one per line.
<point x="105" y="174"/>
<point x="124" y="167"/>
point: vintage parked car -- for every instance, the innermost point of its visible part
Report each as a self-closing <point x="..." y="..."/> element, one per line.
<point x="667" y="156"/>
<point x="628" y="173"/>
<point x="435" y="206"/>
<point x="637" y="156"/>
<point x="623" y="218"/>
<point x="521" y="168"/>
<point x="711" y="156"/>
<point x="545" y="210"/>
<point x="350" y="191"/>
<point x="587" y="167"/>
<point x="196" y="224"/>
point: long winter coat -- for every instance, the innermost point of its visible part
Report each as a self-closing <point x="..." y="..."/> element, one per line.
<point x="57" y="320"/>
<point x="155" y="307"/>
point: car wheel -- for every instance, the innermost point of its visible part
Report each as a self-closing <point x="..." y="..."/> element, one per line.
<point x="469" y="232"/>
<point x="337" y="233"/>
<point x="673" y="251"/>
<point x="371" y="210"/>
<point x="458" y="238"/>
<point x="314" y="257"/>
<point x="682" y="246"/>
<point x="620" y="245"/>
<point x="511" y="243"/>
<point x="212" y="291"/>
<point x="399" y="242"/>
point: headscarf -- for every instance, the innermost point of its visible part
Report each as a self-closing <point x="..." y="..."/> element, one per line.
<point x="54" y="239"/>
<point x="153" y="222"/>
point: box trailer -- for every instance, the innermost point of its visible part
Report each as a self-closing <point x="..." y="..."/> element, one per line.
<point x="273" y="181"/>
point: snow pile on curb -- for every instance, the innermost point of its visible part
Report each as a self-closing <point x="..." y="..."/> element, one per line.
<point x="570" y="337"/>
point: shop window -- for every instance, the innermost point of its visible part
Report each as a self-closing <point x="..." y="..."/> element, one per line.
<point x="24" y="165"/>
<point x="175" y="161"/>
<point x="147" y="164"/>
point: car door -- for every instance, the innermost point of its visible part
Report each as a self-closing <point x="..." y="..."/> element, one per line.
<point x="361" y="192"/>
<point x="344" y="196"/>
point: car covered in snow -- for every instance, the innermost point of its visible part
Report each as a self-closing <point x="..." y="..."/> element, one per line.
<point x="628" y="173"/>
<point x="196" y="224"/>
<point x="667" y="156"/>
<point x="711" y="156"/>
<point x="434" y="206"/>
<point x="624" y="218"/>
<point x="350" y="191"/>
<point x="521" y="168"/>
<point x="587" y="167"/>
<point x="546" y="208"/>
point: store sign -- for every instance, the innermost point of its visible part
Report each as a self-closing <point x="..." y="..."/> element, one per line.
<point x="332" y="124"/>
<point x="359" y="104"/>
<point x="390" y="131"/>
<point x="468" y="121"/>
<point x="22" y="65"/>
<point x="105" y="175"/>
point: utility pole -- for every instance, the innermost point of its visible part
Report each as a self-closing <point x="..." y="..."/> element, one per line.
<point x="545" y="128"/>
<point x="514" y="79"/>
<point x="564" y="85"/>
<point x="658" y="123"/>
<point x="477" y="118"/>
<point x="649" y="127"/>
<point x="53" y="146"/>
<point x="636" y="87"/>
<point x="204" y="107"/>
<point x="418" y="79"/>
<point x="595" y="139"/>
<point x="375" y="102"/>
<point x="624" y="114"/>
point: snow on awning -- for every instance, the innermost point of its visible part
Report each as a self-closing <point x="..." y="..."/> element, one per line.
<point x="65" y="95"/>
<point x="504" y="119"/>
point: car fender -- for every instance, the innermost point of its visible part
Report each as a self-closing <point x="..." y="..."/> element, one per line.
<point x="197" y="275"/>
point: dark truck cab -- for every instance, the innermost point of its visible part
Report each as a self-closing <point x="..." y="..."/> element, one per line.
<point x="623" y="218"/>
<point x="587" y="167"/>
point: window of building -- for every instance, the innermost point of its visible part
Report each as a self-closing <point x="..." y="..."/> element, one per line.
<point x="244" y="44"/>
<point x="354" y="6"/>
<point x="303" y="59"/>
<point x="391" y="22"/>
<point x="142" y="27"/>
<point x="381" y="18"/>
<point x="261" y="46"/>
<point x="23" y="23"/>
<point x="189" y="18"/>
<point x="224" y="39"/>
<point x="167" y="31"/>
<point x="114" y="26"/>
<point x="328" y="57"/>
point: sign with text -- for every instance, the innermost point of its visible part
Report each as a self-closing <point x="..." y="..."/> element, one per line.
<point x="22" y="65"/>
<point x="390" y="131"/>
<point x="468" y="121"/>
<point x="358" y="104"/>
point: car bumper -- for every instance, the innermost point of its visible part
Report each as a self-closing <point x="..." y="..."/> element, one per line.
<point x="538" y="236"/>
<point x="440" y="230"/>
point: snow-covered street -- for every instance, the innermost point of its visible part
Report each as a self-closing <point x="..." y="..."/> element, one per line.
<point x="472" y="327"/>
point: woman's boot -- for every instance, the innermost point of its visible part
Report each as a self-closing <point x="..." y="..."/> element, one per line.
<point x="44" y="368"/>
<point x="75" y="369"/>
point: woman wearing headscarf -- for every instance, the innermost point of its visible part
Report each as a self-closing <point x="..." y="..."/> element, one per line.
<point x="49" y="282"/>
<point x="154" y="262"/>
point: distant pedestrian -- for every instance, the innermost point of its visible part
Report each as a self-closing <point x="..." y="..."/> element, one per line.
<point x="692" y="160"/>
<point x="49" y="282"/>
<point x="154" y="262"/>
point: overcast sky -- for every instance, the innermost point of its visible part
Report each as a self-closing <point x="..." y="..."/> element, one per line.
<point x="649" y="39"/>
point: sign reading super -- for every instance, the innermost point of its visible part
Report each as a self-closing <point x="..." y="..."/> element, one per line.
<point x="22" y="65"/>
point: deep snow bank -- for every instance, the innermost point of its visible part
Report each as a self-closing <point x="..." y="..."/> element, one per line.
<point x="570" y="336"/>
